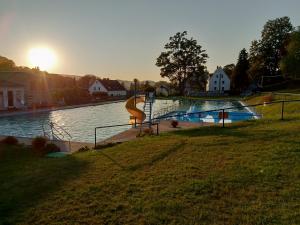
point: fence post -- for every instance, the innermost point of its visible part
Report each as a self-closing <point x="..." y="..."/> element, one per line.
<point x="157" y="131"/>
<point x="95" y="138"/>
<point x="223" y="112"/>
<point x="282" y="109"/>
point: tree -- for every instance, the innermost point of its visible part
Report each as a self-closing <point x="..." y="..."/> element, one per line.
<point x="183" y="59"/>
<point x="274" y="36"/>
<point x="86" y="80"/>
<point x="6" y="64"/>
<point x="265" y="54"/>
<point x="240" y="79"/>
<point x="228" y="69"/>
<point x="290" y="64"/>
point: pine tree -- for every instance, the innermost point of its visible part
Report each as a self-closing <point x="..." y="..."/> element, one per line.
<point x="240" y="78"/>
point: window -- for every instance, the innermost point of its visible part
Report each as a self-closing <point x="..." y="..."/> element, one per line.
<point x="222" y="76"/>
<point x="222" y="88"/>
<point x="217" y="76"/>
<point x="99" y="88"/>
<point x="223" y="82"/>
<point x="215" y="88"/>
<point x="215" y="82"/>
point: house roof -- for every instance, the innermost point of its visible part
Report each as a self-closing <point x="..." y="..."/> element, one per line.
<point x="112" y="85"/>
<point x="4" y="83"/>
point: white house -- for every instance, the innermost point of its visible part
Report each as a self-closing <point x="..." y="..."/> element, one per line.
<point x="111" y="87"/>
<point x="11" y="96"/>
<point x="218" y="81"/>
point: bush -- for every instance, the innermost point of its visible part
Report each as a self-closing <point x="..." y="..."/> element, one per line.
<point x="174" y="123"/>
<point x="10" y="140"/>
<point x="50" y="147"/>
<point x="39" y="143"/>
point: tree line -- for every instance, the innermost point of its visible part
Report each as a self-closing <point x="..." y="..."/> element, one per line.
<point x="275" y="54"/>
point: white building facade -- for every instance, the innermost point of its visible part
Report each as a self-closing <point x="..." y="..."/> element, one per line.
<point x="218" y="81"/>
<point x="111" y="87"/>
<point x="11" y="96"/>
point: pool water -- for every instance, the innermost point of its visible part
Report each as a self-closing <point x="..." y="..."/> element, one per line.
<point x="210" y="117"/>
<point x="80" y="122"/>
<point x="200" y="112"/>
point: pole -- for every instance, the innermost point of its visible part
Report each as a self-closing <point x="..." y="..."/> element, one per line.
<point x="95" y="138"/>
<point x="157" y="131"/>
<point x="282" y="109"/>
<point x="135" y="81"/>
<point x="223" y="112"/>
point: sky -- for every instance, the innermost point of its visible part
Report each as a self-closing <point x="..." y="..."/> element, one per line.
<point x="121" y="39"/>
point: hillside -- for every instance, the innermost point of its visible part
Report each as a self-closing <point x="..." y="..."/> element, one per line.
<point x="246" y="173"/>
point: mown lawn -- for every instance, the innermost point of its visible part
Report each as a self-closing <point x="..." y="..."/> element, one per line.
<point x="246" y="173"/>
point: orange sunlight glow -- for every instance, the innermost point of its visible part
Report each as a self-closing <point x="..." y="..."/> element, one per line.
<point x="42" y="57"/>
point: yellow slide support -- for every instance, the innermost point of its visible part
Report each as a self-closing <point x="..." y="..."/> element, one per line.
<point x="134" y="111"/>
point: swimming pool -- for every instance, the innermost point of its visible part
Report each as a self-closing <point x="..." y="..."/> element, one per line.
<point x="205" y="112"/>
<point x="80" y="122"/>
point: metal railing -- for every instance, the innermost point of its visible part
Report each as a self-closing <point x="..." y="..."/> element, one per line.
<point x="222" y="110"/>
<point x="57" y="132"/>
<point x="122" y="125"/>
<point x="155" y="121"/>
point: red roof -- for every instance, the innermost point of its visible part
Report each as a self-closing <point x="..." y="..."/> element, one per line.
<point x="112" y="85"/>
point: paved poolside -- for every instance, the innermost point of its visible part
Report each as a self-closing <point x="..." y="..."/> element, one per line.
<point x="131" y="134"/>
<point x="164" y="126"/>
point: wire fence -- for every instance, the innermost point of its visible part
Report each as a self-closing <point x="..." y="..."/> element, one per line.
<point x="223" y="113"/>
<point x="220" y="116"/>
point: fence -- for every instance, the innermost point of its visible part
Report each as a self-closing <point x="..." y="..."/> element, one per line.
<point x="222" y="115"/>
<point x="223" y="112"/>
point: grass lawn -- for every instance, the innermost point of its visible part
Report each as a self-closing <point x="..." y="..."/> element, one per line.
<point x="245" y="173"/>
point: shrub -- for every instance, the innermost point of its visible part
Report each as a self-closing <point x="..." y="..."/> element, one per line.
<point x="39" y="143"/>
<point x="174" y="123"/>
<point x="10" y="140"/>
<point x="50" y="147"/>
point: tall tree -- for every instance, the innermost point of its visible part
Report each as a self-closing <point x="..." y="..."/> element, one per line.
<point x="273" y="38"/>
<point x="290" y="64"/>
<point x="240" y="78"/>
<point x="265" y="54"/>
<point x="183" y="59"/>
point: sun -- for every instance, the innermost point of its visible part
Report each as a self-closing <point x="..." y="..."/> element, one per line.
<point x="42" y="57"/>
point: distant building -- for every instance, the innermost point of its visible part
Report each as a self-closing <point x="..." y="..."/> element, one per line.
<point x="38" y="88"/>
<point x="218" y="81"/>
<point x="111" y="87"/>
<point x="11" y="96"/>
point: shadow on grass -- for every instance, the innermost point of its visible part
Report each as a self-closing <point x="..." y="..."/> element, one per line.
<point x="112" y="160"/>
<point x="27" y="180"/>
<point x="228" y="130"/>
<point x="158" y="157"/>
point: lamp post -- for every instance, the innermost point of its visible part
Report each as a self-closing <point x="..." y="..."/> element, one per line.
<point x="135" y="82"/>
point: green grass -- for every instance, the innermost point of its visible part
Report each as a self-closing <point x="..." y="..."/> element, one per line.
<point x="246" y="173"/>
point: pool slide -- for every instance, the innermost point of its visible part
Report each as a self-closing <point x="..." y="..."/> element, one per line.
<point x="134" y="111"/>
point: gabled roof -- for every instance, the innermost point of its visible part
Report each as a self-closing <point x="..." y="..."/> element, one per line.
<point x="112" y="85"/>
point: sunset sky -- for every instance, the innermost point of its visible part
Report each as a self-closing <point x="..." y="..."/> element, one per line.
<point x="122" y="39"/>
